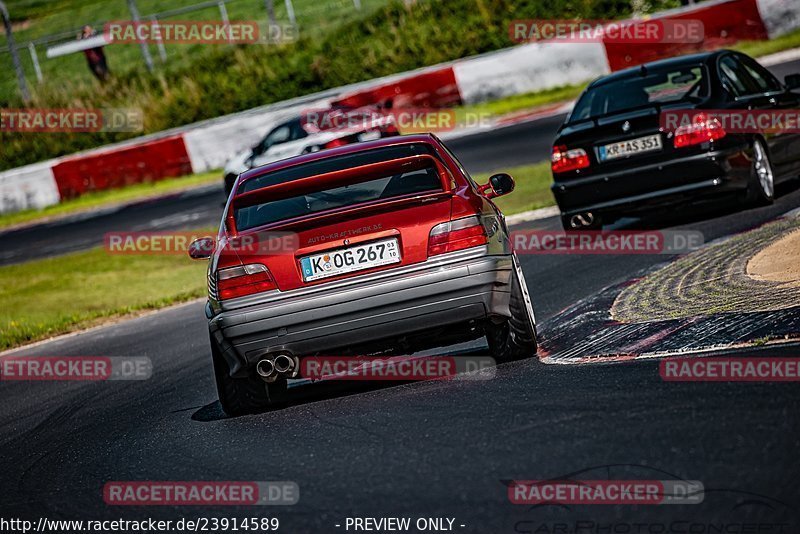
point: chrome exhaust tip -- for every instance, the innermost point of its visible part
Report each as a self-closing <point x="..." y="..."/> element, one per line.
<point x="283" y="363"/>
<point x="265" y="368"/>
<point x="582" y="220"/>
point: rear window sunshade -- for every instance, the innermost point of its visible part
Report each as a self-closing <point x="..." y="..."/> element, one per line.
<point x="327" y="165"/>
<point x="416" y="181"/>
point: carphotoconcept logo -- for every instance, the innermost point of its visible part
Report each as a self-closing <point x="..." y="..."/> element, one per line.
<point x="200" y="493"/>
<point x="74" y="368"/>
<point x="44" y="120"/>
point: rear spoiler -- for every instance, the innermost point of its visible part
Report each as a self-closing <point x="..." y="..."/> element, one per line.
<point x="352" y="175"/>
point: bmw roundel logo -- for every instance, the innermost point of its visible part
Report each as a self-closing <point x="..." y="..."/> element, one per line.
<point x="626" y="126"/>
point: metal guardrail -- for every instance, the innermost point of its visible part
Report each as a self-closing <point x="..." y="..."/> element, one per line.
<point x="31" y="47"/>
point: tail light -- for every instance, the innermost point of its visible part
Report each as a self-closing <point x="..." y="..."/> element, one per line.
<point x="703" y="130"/>
<point x="336" y="142"/>
<point x="456" y="235"/>
<point x="564" y="160"/>
<point x="243" y="280"/>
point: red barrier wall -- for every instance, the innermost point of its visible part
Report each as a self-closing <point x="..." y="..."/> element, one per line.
<point x="725" y="23"/>
<point x="434" y="89"/>
<point x="109" y="169"/>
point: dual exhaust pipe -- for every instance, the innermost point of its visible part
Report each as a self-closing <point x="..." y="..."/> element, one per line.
<point x="582" y="220"/>
<point x="271" y="367"/>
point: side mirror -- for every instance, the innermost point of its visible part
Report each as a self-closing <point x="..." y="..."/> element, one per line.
<point x="499" y="184"/>
<point x="201" y="249"/>
<point x="792" y="81"/>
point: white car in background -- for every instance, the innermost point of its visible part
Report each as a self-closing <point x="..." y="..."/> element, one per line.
<point x="311" y="132"/>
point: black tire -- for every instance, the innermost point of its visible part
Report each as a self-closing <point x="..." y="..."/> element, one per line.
<point x="597" y="223"/>
<point x="514" y="338"/>
<point x="242" y="396"/>
<point x="761" y="188"/>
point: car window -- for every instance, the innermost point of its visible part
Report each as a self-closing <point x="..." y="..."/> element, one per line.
<point x="386" y="187"/>
<point x="767" y="83"/>
<point x="739" y="79"/>
<point x="665" y="85"/>
<point x="731" y="79"/>
<point x="460" y="166"/>
<point x="279" y="135"/>
<point x="298" y="132"/>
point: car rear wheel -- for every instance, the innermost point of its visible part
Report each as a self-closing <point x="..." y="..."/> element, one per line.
<point x="241" y="396"/>
<point x="515" y="338"/>
<point x="761" y="190"/>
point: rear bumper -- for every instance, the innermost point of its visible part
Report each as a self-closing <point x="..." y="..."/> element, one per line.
<point x="451" y="288"/>
<point x="658" y="185"/>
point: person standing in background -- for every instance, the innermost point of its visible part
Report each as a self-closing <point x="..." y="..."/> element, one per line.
<point x="95" y="57"/>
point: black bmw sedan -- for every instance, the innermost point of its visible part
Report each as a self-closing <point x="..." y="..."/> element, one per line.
<point x="674" y="131"/>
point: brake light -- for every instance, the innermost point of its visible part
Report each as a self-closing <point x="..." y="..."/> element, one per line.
<point x="336" y="142"/>
<point x="243" y="280"/>
<point x="456" y="235"/>
<point x="703" y="130"/>
<point x="563" y="160"/>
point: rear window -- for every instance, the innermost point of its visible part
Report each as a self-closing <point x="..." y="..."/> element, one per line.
<point x="414" y="181"/>
<point x="663" y="86"/>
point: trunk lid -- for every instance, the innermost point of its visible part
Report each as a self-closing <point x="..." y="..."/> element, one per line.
<point x="352" y="219"/>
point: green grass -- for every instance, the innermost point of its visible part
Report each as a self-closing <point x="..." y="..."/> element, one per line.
<point x="525" y="101"/>
<point x="532" y="189"/>
<point x="99" y="199"/>
<point x="44" y="298"/>
<point x="389" y="37"/>
<point x="762" y="48"/>
<point x="34" y="19"/>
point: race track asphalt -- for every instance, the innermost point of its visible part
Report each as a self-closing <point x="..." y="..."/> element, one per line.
<point x="423" y="449"/>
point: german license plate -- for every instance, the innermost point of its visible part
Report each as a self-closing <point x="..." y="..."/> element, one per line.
<point x="630" y="147"/>
<point x="347" y="260"/>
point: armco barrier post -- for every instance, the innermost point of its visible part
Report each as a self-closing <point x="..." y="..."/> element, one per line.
<point x="148" y="60"/>
<point x="23" y="84"/>
<point x="270" y="5"/>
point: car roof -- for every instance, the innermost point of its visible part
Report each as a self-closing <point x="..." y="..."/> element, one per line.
<point x="339" y="151"/>
<point x="673" y="62"/>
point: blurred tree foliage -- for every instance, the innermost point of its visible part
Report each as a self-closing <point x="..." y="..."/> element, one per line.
<point x="224" y="80"/>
